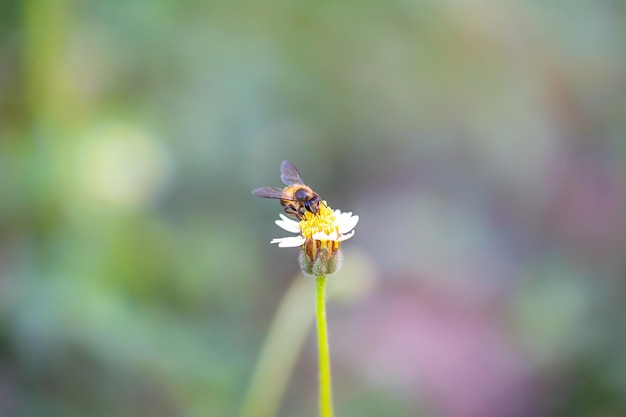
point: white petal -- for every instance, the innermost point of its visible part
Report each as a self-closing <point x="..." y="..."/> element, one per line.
<point x="324" y="236"/>
<point x="289" y="242"/>
<point x="347" y="223"/>
<point x="345" y="237"/>
<point x="341" y="216"/>
<point x="287" y="224"/>
<point x="282" y="216"/>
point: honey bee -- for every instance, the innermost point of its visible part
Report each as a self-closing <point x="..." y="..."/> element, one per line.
<point x="296" y="198"/>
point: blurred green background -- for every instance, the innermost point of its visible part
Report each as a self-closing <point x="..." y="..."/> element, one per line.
<point x="481" y="142"/>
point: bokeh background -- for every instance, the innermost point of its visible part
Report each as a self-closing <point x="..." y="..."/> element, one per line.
<point x="480" y="141"/>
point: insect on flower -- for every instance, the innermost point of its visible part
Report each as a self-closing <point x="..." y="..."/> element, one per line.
<point x="297" y="198"/>
<point x="320" y="229"/>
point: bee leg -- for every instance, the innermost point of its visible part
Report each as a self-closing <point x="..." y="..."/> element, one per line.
<point x="291" y="211"/>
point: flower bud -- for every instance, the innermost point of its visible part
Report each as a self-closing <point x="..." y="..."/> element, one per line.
<point x="326" y="262"/>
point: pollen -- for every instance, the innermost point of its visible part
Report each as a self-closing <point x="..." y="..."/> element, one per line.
<point x="324" y="221"/>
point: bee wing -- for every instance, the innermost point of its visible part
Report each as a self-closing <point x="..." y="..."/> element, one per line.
<point x="268" y="192"/>
<point x="289" y="175"/>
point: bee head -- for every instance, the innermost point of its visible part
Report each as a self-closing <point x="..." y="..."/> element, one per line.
<point x="313" y="205"/>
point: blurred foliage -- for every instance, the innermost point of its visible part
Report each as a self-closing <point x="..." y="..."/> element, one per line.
<point x="481" y="142"/>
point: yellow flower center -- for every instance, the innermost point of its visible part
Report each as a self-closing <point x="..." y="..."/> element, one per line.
<point x="323" y="221"/>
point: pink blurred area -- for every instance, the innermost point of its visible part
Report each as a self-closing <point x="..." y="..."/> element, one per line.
<point x="456" y="358"/>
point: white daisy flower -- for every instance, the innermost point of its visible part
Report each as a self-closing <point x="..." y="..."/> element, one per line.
<point x="326" y="226"/>
<point x="320" y="236"/>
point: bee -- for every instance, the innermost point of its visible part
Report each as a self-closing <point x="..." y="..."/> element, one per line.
<point x="296" y="198"/>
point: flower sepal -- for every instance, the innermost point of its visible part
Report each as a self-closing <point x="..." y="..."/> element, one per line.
<point x="326" y="262"/>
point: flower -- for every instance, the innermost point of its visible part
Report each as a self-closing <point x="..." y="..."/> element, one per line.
<point x="320" y="236"/>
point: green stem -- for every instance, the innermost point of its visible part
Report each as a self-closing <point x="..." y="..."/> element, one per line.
<point x="326" y="406"/>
